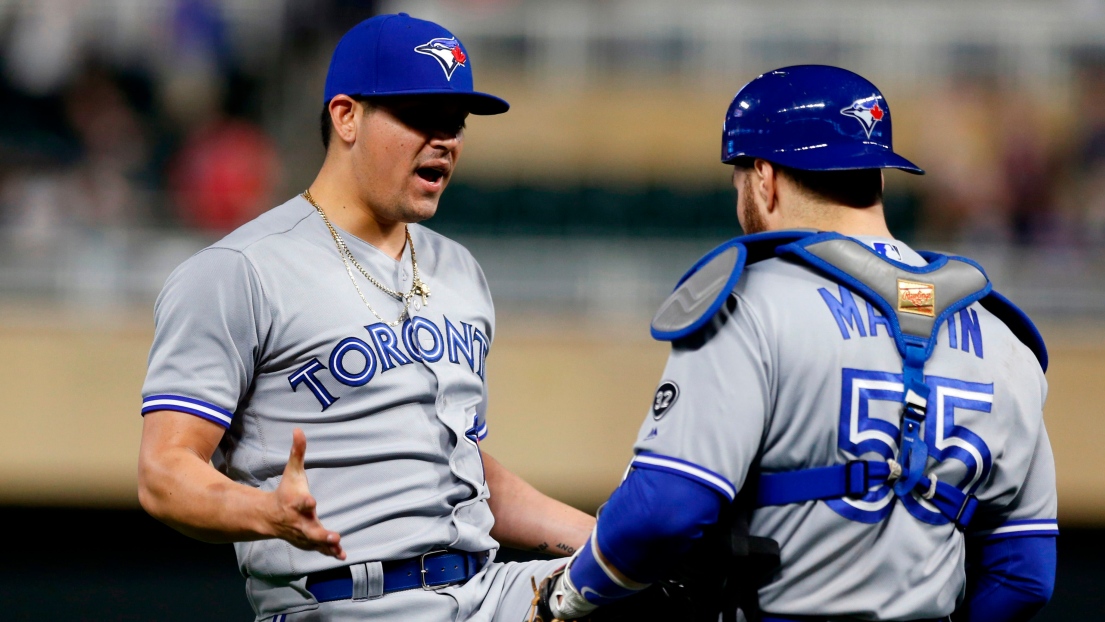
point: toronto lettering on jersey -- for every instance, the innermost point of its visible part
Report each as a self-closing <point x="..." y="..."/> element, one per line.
<point x="419" y="340"/>
<point x="964" y="333"/>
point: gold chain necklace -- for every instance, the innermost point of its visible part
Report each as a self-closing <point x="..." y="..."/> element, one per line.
<point x="418" y="288"/>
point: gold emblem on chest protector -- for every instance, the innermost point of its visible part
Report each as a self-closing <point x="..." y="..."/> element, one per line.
<point x="916" y="298"/>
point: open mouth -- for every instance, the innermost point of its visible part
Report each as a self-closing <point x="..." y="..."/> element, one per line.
<point x="430" y="174"/>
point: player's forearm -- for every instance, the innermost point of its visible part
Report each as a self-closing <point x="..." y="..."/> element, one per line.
<point x="648" y="524"/>
<point x="181" y="490"/>
<point x="527" y="519"/>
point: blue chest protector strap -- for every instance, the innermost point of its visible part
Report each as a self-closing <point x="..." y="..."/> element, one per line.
<point x="913" y="453"/>
<point x="914" y="300"/>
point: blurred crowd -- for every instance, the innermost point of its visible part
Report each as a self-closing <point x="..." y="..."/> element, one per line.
<point x="1007" y="166"/>
<point x="146" y="113"/>
<point x="167" y="114"/>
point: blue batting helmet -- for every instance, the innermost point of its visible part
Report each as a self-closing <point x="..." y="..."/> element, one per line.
<point x="813" y="118"/>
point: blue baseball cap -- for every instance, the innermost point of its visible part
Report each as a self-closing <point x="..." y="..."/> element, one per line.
<point x="814" y="118"/>
<point x="391" y="55"/>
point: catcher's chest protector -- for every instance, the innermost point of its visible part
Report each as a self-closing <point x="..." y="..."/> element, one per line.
<point x="915" y="301"/>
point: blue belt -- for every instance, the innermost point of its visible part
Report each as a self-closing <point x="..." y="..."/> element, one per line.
<point x="432" y="570"/>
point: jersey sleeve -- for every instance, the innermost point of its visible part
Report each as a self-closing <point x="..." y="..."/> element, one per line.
<point x="1026" y="508"/>
<point x="208" y="327"/>
<point x="708" y="415"/>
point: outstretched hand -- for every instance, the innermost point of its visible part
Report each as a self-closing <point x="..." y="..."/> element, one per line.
<point x="294" y="518"/>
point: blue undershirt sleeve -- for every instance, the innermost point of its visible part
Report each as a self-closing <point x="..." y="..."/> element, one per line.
<point x="1008" y="579"/>
<point x="650" y="521"/>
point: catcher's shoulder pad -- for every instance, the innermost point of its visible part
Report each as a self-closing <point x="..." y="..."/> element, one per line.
<point x="915" y="300"/>
<point x="1019" y="323"/>
<point x="952" y="282"/>
<point x="704" y="288"/>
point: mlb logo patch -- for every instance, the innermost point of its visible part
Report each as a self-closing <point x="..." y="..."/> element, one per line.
<point x="447" y="52"/>
<point x="888" y="250"/>
<point x="916" y="298"/>
<point x="867" y="111"/>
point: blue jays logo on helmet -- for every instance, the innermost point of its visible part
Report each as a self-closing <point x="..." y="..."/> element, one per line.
<point x="867" y="111"/>
<point x="792" y="117"/>
<point x="447" y="52"/>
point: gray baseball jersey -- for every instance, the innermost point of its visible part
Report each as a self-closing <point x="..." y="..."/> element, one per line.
<point x="263" y="332"/>
<point x="800" y="372"/>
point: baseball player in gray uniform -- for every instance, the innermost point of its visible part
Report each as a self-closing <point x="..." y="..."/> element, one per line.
<point x="872" y="412"/>
<point x="334" y="318"/>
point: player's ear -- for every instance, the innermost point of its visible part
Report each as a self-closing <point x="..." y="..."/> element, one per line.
<point x="343" y="114"/>
<point x="765" y="185"/>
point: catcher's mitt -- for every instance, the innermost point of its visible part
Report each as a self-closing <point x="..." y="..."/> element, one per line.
<point x="539" y="608"/>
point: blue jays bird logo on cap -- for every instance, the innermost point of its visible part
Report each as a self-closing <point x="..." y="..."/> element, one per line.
<point x="867" y="111"/>
<point x="446" y="51"/>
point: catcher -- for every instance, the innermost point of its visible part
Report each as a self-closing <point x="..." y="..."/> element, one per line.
<point x="874" y="410"/>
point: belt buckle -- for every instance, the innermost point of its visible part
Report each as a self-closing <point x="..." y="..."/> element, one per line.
<point x="422" y="568"/>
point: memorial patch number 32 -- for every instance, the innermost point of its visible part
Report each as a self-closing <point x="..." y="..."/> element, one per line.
<point x="666" y="394"/>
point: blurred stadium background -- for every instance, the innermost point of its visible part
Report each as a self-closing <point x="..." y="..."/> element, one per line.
<point x="134" y="132"/>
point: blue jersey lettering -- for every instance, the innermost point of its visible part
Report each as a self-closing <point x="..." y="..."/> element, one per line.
<point x="972" y="331"/>
<point x="337" y="362"/>
<point x="386" y="343"/>
<point x="460" y="344"/>
<point x="420" y="337"/>
<point x="844" y="311"/>
<point x="306" y="375"/>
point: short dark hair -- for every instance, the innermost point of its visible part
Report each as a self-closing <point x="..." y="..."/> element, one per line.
<point x="854" y="188"/>
<point x="326" y="126"/>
